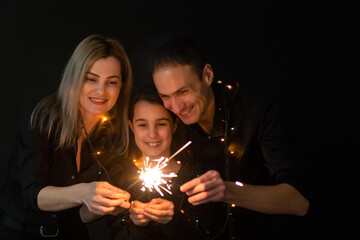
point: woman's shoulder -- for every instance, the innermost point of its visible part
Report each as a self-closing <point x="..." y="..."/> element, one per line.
<point x="33" y="129"/>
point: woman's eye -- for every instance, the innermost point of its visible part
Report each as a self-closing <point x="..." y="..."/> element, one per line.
<point x="91" y="79"/>
<point x="113" y="82"/>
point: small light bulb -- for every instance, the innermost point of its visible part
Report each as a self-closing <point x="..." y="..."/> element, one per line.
<point x="240" y="184"/>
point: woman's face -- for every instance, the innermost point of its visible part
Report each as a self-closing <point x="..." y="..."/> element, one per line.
<point x="153" y="127"/>
<point x="100" y="89"/>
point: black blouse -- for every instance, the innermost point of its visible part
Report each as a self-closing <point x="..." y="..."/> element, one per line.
<point x="36" y="163"/>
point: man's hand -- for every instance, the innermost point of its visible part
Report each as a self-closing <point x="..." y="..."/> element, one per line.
<point x="209" y="187"/>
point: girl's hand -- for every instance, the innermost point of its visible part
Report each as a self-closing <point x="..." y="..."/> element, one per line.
<point x="137" y="213"/>
<point x="159" y="210"/>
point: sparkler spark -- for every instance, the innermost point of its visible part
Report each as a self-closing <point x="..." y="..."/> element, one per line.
<point x="154" y="178"/>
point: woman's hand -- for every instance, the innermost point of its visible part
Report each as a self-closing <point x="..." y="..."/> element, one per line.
<point x="102" y="198"/>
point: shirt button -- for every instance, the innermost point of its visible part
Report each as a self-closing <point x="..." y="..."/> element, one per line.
<point x="73" y="177"/>
<point x="209" y="137"/>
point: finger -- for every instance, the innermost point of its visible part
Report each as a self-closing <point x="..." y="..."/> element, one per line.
<point x="124" y="204"/>
<point x="138" y="217"/>
<point x="160" y="204"/>
<point x="112" y="194"/>
<point x="108" y="190"/>
<point x="206" y="186"/>
<point x="151" y="213"/>
<point x="196" y="181"/>
<point x="208" y="195"/>
<point x="136" y="210"/>
<point x="108" y="202"/>
<point x="214" y="198"/>
<point x="138" y="204"/>
<point x="111" y="187"/>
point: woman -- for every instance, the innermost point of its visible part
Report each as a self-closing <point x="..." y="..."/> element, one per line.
<point x="59" y="160"/>
<point x="152" y="216"/>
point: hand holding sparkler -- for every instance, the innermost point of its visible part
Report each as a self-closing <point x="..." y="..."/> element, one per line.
<point x="209" y="187"/>
<point x="158" y="210"/>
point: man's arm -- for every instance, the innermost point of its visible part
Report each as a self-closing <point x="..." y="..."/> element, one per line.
<point x="275" y="199"/>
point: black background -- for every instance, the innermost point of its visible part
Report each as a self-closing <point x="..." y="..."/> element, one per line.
<point x="304" y="52"/>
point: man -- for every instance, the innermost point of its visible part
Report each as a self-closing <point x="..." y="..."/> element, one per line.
<point x="240" y="147"/>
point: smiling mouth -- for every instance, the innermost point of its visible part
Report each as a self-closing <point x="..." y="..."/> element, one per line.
<point x="186" y="111"/>
<point x="97" y="100"/>
<point x="153" y="144"/>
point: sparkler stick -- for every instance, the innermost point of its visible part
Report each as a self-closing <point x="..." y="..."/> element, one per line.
<point x="182" y="148"/>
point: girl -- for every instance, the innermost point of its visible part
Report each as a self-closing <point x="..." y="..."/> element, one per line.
<point x="152" y="216"/>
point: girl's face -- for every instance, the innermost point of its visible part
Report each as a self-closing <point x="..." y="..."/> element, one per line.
<point x="153" y="127"/>
<point x="100" y="89"/>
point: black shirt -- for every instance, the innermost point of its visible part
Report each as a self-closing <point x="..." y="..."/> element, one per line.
<point x="259" y="152"/>
<point x="35" y="163"/>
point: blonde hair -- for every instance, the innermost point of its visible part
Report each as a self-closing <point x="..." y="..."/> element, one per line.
<point x="60" y="115"/>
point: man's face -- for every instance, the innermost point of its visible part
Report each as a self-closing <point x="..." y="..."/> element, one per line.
<point x="183" y="93"/>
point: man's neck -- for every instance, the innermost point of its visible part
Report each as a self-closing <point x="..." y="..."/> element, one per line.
<point x="206" y="121"/>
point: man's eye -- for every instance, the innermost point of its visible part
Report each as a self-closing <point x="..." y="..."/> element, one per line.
<point x="164" y="97"/>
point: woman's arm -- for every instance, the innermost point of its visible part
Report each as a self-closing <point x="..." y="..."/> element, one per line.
<point x="99" y="197"/>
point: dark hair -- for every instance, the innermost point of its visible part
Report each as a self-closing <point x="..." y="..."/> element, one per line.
<point x="149" y="94"/>
<point x="177" y="51"/>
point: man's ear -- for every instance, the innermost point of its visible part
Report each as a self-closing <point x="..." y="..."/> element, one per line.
<point x="130" y="125"/>
<point x="208" y="74"/>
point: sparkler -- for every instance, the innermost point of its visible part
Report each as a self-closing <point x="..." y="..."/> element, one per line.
<point x="153" y="177"/>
